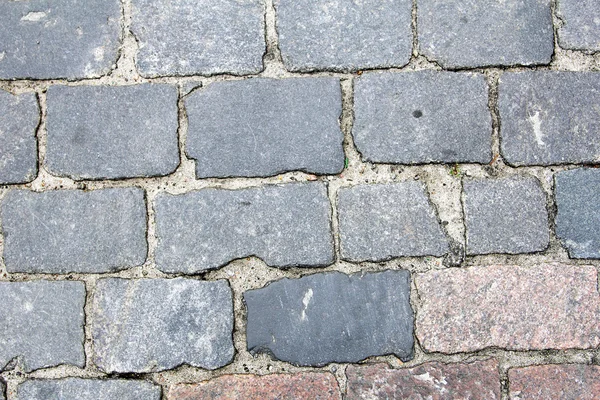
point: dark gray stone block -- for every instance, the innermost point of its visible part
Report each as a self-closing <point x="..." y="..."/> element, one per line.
<point x="264" y="127"/>
<point x="422" y="117"/>
<point x="74" y="231"/>
<point x="108" y="132"/>
<point x="42" y="324"/>
<point x="149" y="325"/>
<point x="332" y="317"/>
<point x="88" y="389"/>
<point x="287" y="225"/>
<point x="580" y="29"/>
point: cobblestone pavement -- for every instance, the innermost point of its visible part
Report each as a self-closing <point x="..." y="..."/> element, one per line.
<point x="299" y="199"/>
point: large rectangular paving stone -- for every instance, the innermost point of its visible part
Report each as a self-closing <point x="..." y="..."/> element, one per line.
<point x="286" y="226"/>
<point x="76" y="388"/>
<point x="74" y="231"/>
<point x="510" y="307"/>
<point x="422" y="117"/>
<point x="42" y="324"/>
<point x="263" y="127"/>
<point x="580" y="28"/>
<point x="150" y="325"/>
<point x="549" y="117"/>
<point x="109" y="132"/>
<point x="332" y="317"/>
<point x="567" y="381"/>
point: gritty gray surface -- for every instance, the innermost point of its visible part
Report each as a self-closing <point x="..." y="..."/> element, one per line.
<point x="264" y="127"/>
<point x="422" y="117"/>
<point x="87" y="389"/>
<point x="580" y="24"/>
<point x="332" y="317"/>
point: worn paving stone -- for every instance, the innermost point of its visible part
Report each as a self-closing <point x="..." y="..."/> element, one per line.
<point x="505" y="215"/>
<point x="332" y="317"/>
<point x="60" y="39"/>
<point x="511" y="307"/>
<point x="477" y="33"/>
<point x="42" y="324"/>
<point x="19" y="118"/>
<point x="549" y="117"/>
<point x="76" y="388"/>
<point x="580" y="28"/>
<point x="382" y="221"/>
<point x="198" y="37"/>
<point x="422" y="117"/>
<point x="435" y="381"/>
<point x="264" y="127"/>
<point x="74" y="231"/>
<point x="284" y="225"/>
<point x="567" y="381"/>
<point x="344" y="35"/>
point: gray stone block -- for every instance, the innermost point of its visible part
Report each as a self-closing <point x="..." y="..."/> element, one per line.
<point x="149" y="325"/>
<point x="332" y="317"/>
<point x="580" y="29"/>
<point x="60" y="39"/>
<point x="19" y="118"/>
<point x="382" y="221"/>
<point x="422" y="117"/>
<point x="286" y="226"/>
<point x="42" y="324"/>
<point x="344" y="35"/>
<point x="549" y="117"/>
<point x="199" y="37"/>
<point x="108" y="132"/>
<point x="74" y="231"/>
<point x="264" y="127"/>
<point x="578" y="217"/>
<point x="477" y="33"/>
<point x="88" y="389"/>
<point x="505" y="215"/>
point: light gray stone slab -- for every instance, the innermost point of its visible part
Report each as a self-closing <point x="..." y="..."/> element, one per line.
<point x="264" y="127"/>
<point x="149" y="325"/>
<point x="88" y="389"/>
<point x="422" y="117"/>
<point x="549" y="117"/>
<point x="580" y="28"/>
<point x="74" y="231"/>
<point x="42" y="324"/>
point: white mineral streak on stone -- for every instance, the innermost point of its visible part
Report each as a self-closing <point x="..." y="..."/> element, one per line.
<point x="34" y="16"/>
<point x="536" y="125"/>
<point x="306" y="301"/>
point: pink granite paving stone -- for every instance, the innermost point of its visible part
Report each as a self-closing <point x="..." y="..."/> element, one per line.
<point x="571" y="381"/>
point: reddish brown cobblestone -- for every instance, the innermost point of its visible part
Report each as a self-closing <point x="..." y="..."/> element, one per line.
<point x="572" y="381"/>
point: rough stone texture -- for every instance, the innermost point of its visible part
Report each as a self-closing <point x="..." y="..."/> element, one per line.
<point x="75" y="389"/>
<point x="264" y="127"/>
<point x="580" y="29"/>
<point x="422" y="117"/>
<point x="59" y="39"/>
<point x="287" y="225"/>
<point x="109" y="132"/>
<point x="42" y="324"/>
<point x="151" y="325"/>
<point x="300" y="386"/>
<point x="578" y="217"/>
<point x="19" y="117"/>
<point x="476" y="33"/>
<point x="382" y="221"/>
<point x="505" y="215"/>
<point x="434" y="381"/>
<point x="332" y="317"/>
<point x="2" y="390"/>
<point x="549" y="117"/>
<point x="192" y="37"/>
<point x="74" y="231"/>
<point x="512" y="307"/>
<point x="344" y="35"/>
<point x="569" y="381"/>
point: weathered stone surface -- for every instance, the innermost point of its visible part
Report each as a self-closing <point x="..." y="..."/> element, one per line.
<point x="381" y="221"/>
<point x="434" y="381"/>
<point x="19" y="117"/>
<point x="62" y="39"/>
<point x="74" y="231"/>
<point x="263" y="127"/>
<point x="422" y="117"/>
<point x="42" y="323"/>
<point x="578" y="218"/>
<point x="2" y="390"/>
<point x="109" y="132"/>
<point x="580" y="28"/>
<point x="505" y="215"/>
<point x="192" y="37"/>
<point x="344" y="35"/>
<point x="567" y="381"/>
<point x="304" y="385"/>
<point x="332" y="317"/>
<point x="475" y="33"/>
<point x="512" y="307"/>
<point x="75" y="389"/>
<point x="287" y="225"/>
